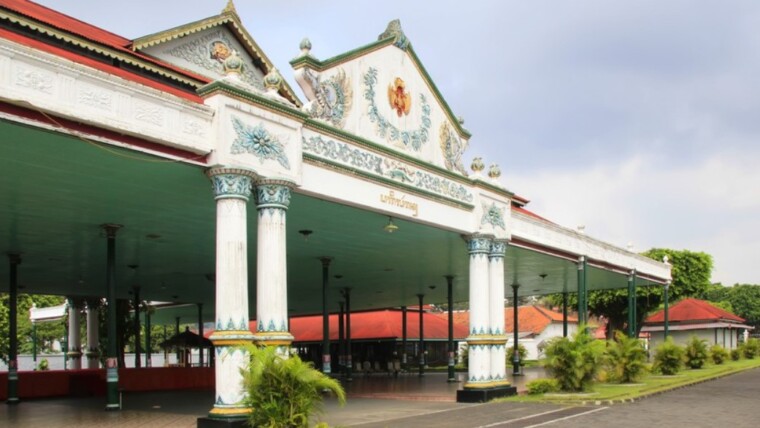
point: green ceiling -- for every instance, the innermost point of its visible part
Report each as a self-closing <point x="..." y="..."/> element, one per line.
<point x="56" y="190"/>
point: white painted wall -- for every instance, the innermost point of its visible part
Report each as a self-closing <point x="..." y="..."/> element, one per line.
<point x="728" y="338"/>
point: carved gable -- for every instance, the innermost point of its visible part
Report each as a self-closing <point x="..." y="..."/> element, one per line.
<point x="383" y="94"/>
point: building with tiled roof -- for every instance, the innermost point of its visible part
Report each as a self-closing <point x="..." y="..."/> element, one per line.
<point x="535" y="325"/>
<point x="694" y="317"/>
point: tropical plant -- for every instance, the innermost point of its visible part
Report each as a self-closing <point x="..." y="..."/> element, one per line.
<point x="574" y="362"/>
<point x="696" y="352"/>
<point x="736" y="354"/>
<point x="284" y="392"/>
<point x="542" y="386"/>
<point x="668" y="358"/>
<point x="521" y="351"/>
<point x="43" y="365"/>
<point x="718" y="354"/>
<point x="625" y="359"/>
<point x="750" y="349"/>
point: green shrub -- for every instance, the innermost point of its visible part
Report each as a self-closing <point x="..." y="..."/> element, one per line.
<point x="750" y="348"/>
<point x="625" y="359"/>
<point x="542" y="386"/>
<point x="43" y="365"/>
<point x="696" y="352"/>
<point x="668" y="358"/>
<point x="736" y="354"/>
<point x="521" y="351"/>
<point x="574" y="362"/>
<point x="284" y="392"/>
<point x="718" y="354"/>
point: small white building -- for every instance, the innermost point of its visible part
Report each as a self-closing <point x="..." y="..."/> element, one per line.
<point x="694" y="317"/>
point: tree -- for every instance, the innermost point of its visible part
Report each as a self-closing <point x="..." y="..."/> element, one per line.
<point x="745" y="302"/>
<point x="47" y="333"/>
<point x="690" y="277"/>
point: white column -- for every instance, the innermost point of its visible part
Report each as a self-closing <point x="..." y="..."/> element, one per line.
<point x="93" y="340"/>
<point x="479" y="339"/>
<point x="75" y="341"/>
<point x="496" y="313"/>
<point x="232" y="188"/>
<point x="272" y="200"/>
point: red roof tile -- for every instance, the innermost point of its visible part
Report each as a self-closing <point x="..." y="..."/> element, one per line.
<point x="533" y="319"/>
<point x="383" y="324"/>
<point x="693" y="310"/>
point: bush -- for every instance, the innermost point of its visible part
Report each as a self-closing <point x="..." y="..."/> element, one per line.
<point x="521" y="351"/>
<point x="668" y="358"/>
<point x="736" y="354"/>
<point x="696" y="352"/>
<point x="284" y="392"/>
<point x="750" y="348"/>
<point x="43" y="365"/>
<point x="542" y="386"/>
<point x="625" y="359"/>
<point x="718" y="354"/>
<point x="573" y="362"/>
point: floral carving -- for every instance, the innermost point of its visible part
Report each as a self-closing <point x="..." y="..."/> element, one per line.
<point x="452" y="148"/>
<point x="493" y="215"/>
<point x="414" y="139"/>
<point x="257" y="141"/>
<point x="35" y="80"/>
<point x="333" y="97"/>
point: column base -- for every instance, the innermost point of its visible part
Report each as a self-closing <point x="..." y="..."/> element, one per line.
<point x="12" y="401"/>
<point x="208" y="422"/>
<point x="481" y="395"/>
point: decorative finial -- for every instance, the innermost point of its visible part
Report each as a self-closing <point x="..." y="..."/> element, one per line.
<point x="461" y="120"/>
<point x="273" y="81"/>
<point x="494" y="171"/>
<point x="477" y="165"/>
<point x="665" y="259"/>
<point x="305" y="46"/>
<point x="233" y="65"/>
<point x="581" y="229"/>
<point x="230" y="8"/>
<point x="394" y="30"/>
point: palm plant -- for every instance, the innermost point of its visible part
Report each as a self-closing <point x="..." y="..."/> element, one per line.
<point x="573" y="362"/>
<point x="625" y="359"/>
<point x="696" y="352"/>
<point x="284" y="392"/>
<point x="668" y="357"/>
<point x="718" y="354"/>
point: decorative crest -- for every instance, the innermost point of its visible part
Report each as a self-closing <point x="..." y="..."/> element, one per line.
<point x="305" y="47"/>
<point x="231" y="61"/>
<point x="230" y="8"/>
<point x="398" y="97"/>
<point x="477" y="165"/>
<point x="273" y="81"/>
<point x="394" y="30"/>
<point x="494" y="171"/>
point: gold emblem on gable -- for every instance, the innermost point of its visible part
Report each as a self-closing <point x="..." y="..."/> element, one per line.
<point x="399" y="98"/>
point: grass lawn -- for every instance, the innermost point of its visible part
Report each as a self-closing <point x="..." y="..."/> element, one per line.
<point x="649" y="384"/>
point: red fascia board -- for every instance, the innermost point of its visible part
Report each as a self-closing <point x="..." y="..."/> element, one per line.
<point x="36" y="44"/>
<point x="100" y="132"/>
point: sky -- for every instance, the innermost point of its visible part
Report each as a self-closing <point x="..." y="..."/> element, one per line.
<point x="639" y="120"/>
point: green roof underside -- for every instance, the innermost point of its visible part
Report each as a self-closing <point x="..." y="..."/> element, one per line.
<point x="57" y="190"/>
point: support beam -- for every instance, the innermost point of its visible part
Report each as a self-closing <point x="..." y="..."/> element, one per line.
<point x="74" y="353"/>
<point x="341" y="338"/>
<point x="452" y="350"/>
<point x="93" y="334"/>
<point x="349" y="357"/>
<point x="667" y="312"/>
<point x="515" y="338"/>
<point x="582" y="308"/>
<point x="112" y="364"/>
<point x="631" y="305"/>
<point x="422" y="339"/>
<point x="136" y="307"/>
<point x="200" y="333"/>
<point x="148" y="347"/>
<point x="232" y="189"/>
<point x="326" y="366"/>
<point x="564" y="314"/>
<point x="497" y="330"/>
<point x="14" y="260"/>
<point x="403" y="338"/>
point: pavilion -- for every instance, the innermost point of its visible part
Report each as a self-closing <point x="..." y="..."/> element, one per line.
<point x="181" y="167"/>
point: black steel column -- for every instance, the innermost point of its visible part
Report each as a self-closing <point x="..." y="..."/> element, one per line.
<point x="582" y="291"/>
<point x="176" y="332"/>
<point x="515" y="353"/>
<point x="14" y="260"/>
<point x="452" y="351"/>
<point x="200" y="333"/>
<point x="341" y="339"/>
<point x="325" y="316"/>
<point x="349" y="358"/>
<point x="136" y="289"/>
<point x="564" y="314"/>
<point x="667" y="310"/>
<point x="403" y="337"/>
<point x="112" y="365"/>
<point x="422" y="340"/>
<point x="148" y="353"/>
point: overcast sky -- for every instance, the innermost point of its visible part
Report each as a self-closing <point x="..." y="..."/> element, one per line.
<point x="639" y="119"/>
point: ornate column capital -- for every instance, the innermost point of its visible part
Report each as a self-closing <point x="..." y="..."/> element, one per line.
<point x="498" y="249"/>
<point x="479" y="244"/>
<point x="273" y="193"/>
<point x="233" y="183"/>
